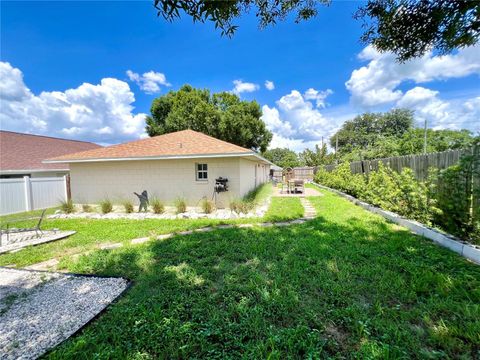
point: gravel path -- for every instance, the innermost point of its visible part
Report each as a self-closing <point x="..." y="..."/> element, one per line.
<point x="38" y="310"/>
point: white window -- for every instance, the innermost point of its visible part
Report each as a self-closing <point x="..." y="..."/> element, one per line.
<point x="202" y="172"/>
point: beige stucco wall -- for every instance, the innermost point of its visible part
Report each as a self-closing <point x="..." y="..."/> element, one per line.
<point x="165" y="179"/>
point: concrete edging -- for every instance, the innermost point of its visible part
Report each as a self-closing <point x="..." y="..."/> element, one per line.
<point x="468" y="251"/>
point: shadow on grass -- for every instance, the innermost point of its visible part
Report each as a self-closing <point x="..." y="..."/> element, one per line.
<point x="357" y="289"/>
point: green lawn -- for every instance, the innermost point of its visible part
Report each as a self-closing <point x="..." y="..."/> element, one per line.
<point x="345" y="285"/>
<point x="91" y="232"/>
<point x="284" y="208"/>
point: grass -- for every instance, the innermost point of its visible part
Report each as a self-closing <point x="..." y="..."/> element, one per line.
<point x="284" y="208"/>
<point x="91" y="233"/>
<point x="252" y="199"/>
<point x="259" y="194"/>
<point x="345" y="285"/>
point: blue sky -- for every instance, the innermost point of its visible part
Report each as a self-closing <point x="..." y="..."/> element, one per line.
<point x="64" y="68"/>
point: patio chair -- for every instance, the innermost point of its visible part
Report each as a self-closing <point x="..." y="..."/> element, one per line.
<point x="299" y="185"/>
<point x="13" y="230"/>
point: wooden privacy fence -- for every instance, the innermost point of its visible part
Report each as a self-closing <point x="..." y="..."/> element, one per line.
<point x="418" y="163"/>
<point x="304" y="173"/>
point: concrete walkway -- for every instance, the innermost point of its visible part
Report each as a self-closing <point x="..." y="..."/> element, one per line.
<point x="310" y="211"/>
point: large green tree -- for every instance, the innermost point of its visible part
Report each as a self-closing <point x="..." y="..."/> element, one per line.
<point x="222" y="115"/>
<point x="365" y="131"/>
<point x="380" y="135"/>
<point x="283" y="157"/>
<point x="412" y="142"/>
<point x="409" y="28"/>
<point x="318" y="156"/>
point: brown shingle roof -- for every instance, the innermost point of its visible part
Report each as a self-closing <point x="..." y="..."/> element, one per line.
<point x="26" y="152"/>
<point x="181" y="143"/>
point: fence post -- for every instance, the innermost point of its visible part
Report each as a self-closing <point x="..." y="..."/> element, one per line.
<point x="27" y="186"/>
<point x="68" y="192"/>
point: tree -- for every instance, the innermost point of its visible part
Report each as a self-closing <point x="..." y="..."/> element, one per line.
<point x="282" y="157"/>
<point x="409" y="28"/>
<point x="317" y="156"/>
<point x="380" y="135"/>
<point x="437" y="140"/>
<point x="366" y="131"/>
<point x="222" y="115"/>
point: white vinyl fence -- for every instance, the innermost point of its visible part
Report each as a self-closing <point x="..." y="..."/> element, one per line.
<point x="18" y="195"/>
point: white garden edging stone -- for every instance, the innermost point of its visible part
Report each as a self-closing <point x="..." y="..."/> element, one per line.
<point x="469" y="251"/>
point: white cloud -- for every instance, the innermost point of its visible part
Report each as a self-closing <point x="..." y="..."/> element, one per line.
<point x="296" y="121"/>
<point x="241" y="87"/>
<point x="150" y="82"/>
<point x="99" y="113"/>
<point x="269" y="85"/>
<point x="296" y="145"/>
<point x="377" y="83"/>
<point x="318" y="96"/>
<point x="439" y="113"/>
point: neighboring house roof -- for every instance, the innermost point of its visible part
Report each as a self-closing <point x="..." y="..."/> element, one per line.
<point x="25" y="152"/>
<point x="180" y="144"/>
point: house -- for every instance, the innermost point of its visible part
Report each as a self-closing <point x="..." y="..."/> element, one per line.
<point x="183" y="164"/>
<point x="22" y="154"/>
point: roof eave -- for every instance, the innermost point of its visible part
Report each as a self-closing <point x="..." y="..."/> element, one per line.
<point x="27" y="171"/>
<point x="164" y="157"/>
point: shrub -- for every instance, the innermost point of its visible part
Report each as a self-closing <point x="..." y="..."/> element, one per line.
<point x="106" y="206"/>
<point x="241" y="206"/>
<point x="181" y="205"/>
<point x="157" y="206"/>
<point x="127" y="204"/>
<point x="86" y="208"/>
<point x="207" y="206"/>
<point x="457" y="188"/>
<point x="385" y="188"/>
<point x="67" y="206"/>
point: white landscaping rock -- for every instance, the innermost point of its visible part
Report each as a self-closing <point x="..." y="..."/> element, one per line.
<point x="48" y="308"/>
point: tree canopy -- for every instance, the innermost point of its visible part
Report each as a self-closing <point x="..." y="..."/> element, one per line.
<point x="318" y="156"/>
<point x="365" y="131"/>
<point x="380" y="135"/>
<point x="409" y="28"/>
<point x="222" y="115"/>
<point x="282" y="157"/>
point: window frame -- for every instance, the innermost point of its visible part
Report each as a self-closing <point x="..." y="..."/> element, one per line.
<point x="203" y="170"/>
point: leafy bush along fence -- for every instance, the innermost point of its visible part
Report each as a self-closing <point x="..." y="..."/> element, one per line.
<point x="448" y="198"/>
<point x="420" y="164"/>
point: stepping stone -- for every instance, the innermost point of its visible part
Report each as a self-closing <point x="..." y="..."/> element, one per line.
<point x="186" y="232"/>
<point x="298" y="221"/>
<point x="245" y="225"/>
<point x="140" y="240"/>
<point x="110" y="246"/>
<point x="45" y="265"/>
<point x="224" y="226"/>
<point x="282" y="224"/>
<point x="204" y="229"/>
<point x="265" y="224"/>
<point x="164" y="236"/>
